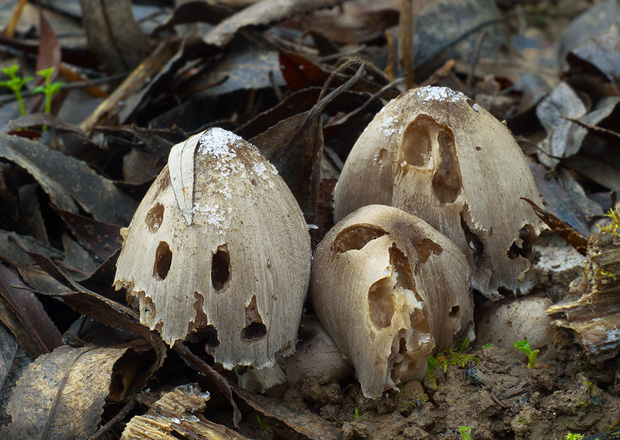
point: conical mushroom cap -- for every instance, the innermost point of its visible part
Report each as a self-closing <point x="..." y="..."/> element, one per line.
<point x="438" y="155"/>
<point x="220" y="245"/>
<point x="390" y="290"/>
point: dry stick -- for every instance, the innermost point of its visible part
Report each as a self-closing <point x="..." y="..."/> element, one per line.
<point x="114" y="420"/>
<point x="405" y="36"/>
<point x="17" y="13"/>
<point x="151" y="65"/>
<point x="475" y="56"/>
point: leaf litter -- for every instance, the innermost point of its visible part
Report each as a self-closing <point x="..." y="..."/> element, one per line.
<point x="300" y="79"/>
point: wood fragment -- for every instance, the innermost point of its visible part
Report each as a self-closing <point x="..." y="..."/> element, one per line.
<point x="594" y="319"/>
<point x="405" y="37"/>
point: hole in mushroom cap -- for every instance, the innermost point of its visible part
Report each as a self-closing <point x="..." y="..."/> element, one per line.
<point x="473" y="241"/>
<point x="254" y="327"/>
<point x="381" y="303"/>
<point x="155" y="217"/>
<point x="401" y="266"/>
<point x="420" y="330"/>
<point x="455" y="313"/>
<point x="209" y="335"/>
<point x="220" y="268"/>
<point x="147" y="306"/>
<point x="163" y="261"/>
<point x="522" y="246"/>
<point x="447" y="179"/>
<point x="200" y="319"/>
<point x="356" y="237"/>
<point x="417" y="142"/>
<point x="427" y="247"/>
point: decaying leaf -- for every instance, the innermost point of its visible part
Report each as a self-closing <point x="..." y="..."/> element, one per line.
<point x="578" y="240"/>
<point x="177" y="413"/>
<point x="13" y="360"/>
<point x="262" y="14"/>
<point x="564" y="137"/>
<point x="61" y="394"/>
<point x="114" y="34"/>
<point x="22" y="312"/>
<point x="67" y="180"/>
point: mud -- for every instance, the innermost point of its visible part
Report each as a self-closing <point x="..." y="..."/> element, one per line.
<point x="488" y="390"/>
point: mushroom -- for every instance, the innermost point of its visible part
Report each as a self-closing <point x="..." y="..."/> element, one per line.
<point x="436" y="154"/>
<point x="517" y="319"/>
<point x="317" y="358"/>
<point x="390" y="290"/>
<point x="219" y="245"/>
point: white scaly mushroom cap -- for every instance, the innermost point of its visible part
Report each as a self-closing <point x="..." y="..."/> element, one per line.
<point x="390" y="290"/>
<point x="436" y="154"/>
<point x="219" y="244"/>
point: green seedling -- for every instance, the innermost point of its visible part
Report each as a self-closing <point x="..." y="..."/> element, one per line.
<point x="465" y="432"/>
<point x="264" y="425"/>
<point x="15" y="84"/>
<point x="524" y="346"/>
<point x="489" y="345"/>
<point x="49" y="89"/>
<point x="463" y="345"/>
<point x="356" y="414"/>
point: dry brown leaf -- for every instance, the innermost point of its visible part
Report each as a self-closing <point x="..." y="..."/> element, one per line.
<point x="263" y="13"/>
<point x="114" y="34"/>
<point x="13" y="359"/>
<point x="173" y="414"/>
<point x="61" y="394"/>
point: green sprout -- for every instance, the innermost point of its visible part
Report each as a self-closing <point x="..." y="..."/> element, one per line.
<point x="463" y="345"/>
<point x="489" y="345"/>
<point x="49" y="90"/>
<point x="356" y="414"/>
<point x="264" y="425"/>
<point x="15" y="84"/>
<point x="571" y="436"/>
<point x="524" y="346"/>
<point x="465" y="432"/>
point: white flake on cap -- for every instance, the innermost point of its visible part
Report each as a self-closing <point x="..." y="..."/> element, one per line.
<point x="389" y="126"/>
<point x="434" y="93"/>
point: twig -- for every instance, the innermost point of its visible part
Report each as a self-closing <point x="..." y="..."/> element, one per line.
<point x="475" y="56"/>
<point x="405" y="37"/>
<point x="114" y="420"/>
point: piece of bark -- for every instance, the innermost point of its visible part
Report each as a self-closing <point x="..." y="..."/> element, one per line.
<point x="594" y="319"/>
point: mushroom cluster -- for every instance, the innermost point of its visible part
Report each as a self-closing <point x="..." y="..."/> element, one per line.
<point x="428" y="206"/>
<point x="219" y="245"/>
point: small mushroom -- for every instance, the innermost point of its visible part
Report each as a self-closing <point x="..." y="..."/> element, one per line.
<point x="219" y="245"/>
<point x="438" y="155"/>
<point x="517" y="319"/>
<point x="317" y="359"/>
<point x="390" y="290"/>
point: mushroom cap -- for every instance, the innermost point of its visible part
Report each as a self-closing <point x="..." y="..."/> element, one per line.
<point x="517" y="319"/>
<point x="436" y="154"/>
<point x="317" y="358"/>
<point x="390" y="290"/>
<point x="219" y="245"/>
